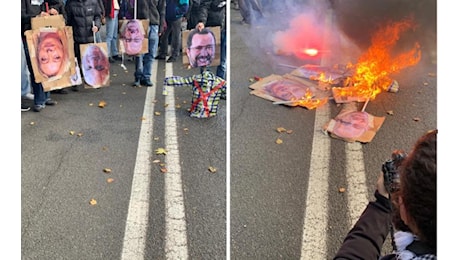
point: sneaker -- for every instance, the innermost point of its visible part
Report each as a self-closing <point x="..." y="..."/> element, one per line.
<point x="24" y="108"/>
<point x="75" y="88"/>
<point x="171" y="59"/>
<point x="28" y="96"/>
<point x="116" y="57"/>
<point x="160" y="57"/>
<point x="137" y="83"/>
<point x="38" y="108"/>
<point x="60" y="91"/>
<point x="146" y="82"/>
<point x="111" y="60"/>
<point x="50" y="102"/>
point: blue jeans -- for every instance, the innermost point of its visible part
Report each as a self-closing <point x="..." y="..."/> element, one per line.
<point x="144" y="61"/>
<point x="25" y="74"/>
<point x="111" y="26"/>
<point x="222" y="68"/>
<point x="40" y="96"/>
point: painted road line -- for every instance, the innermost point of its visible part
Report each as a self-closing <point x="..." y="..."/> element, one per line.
<point x="315" y="218"/>
<point x="176" y="233"/>
<point x="137" y="219"/>
<point x="357" y="193"/>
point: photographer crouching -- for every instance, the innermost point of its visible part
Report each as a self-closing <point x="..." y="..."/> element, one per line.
<point x="405" y="207"/>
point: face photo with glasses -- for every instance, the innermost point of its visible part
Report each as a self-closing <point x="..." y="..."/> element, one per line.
<point x="132" y="36"/>
<point x="201" y="47"/>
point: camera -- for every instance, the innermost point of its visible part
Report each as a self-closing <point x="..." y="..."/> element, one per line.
<point x="390" y="170"/>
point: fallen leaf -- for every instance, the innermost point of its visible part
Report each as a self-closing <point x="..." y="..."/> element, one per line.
<point x="281" y="129"/>
<point x="104" y="148"/>
<point x="157" y="113"/>
<point x="114" y="74"/>
<point x="251" y="80"/>
<point x="156" y="161"/>
<point x="186" y="129"/>
<point x="289" y="131"/>
<point x="163" y="170"/>
<point x="107" y="170"/>
<point x="166" y="105"/>
<point x="162" y="164"/>
<point x="110" y="180"/>
<point x="90" y="104"/>
<point x="80" y="134"/>
<point x="390" y="112"/>
<point x="425" y="84"/>
<point x="161" y="151"/>
<point x="212" y="169"/>
<point x="156" y="138"/>
<point x="178" y="106"/>
<point x="32" y="123"/>
<point x="431" y="74"/>
<point x="279" y="141"/>
<point x="416" y="119"/>
<point x="342" y="190"/>
<point x="93" y="202"/>
<point x="72" y="132"/>
<point x="143" y="118"/>
<point x="102" y="104"/>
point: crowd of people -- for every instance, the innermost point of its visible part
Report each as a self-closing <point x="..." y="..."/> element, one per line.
<point x="88" y="17"/>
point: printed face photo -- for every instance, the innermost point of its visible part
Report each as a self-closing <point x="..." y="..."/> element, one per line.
<point x="351" y="124"/>
<point x="201" y="47"/>
<point x="133" y="36"/>
<point x="95" y="64"/>
<point x="285" y="90"/>
<point x="51" y="54"/>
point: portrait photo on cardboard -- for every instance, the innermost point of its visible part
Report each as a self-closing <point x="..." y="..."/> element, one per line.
<point x="201" y="48"/>
<point x="133" y="37"/>
<point x="279" y="88"/>
<point x="353" y="125"/>
<point x="51" y="53"/>
<point x="95" y="64"/>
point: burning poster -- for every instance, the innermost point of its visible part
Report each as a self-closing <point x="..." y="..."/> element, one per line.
<point x="287" y="90"/>
<point x="353" y="125"/>
<point x="51" y="53"/>
<point x="95" y="64"/>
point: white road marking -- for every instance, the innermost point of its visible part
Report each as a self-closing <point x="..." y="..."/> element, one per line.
<point x="315" y="219"/>
<point x="357" y="193"/>
<point x="176" y="233"/>
<point x="137" y="219"/>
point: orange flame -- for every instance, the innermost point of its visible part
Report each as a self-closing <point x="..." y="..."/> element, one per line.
<point x="373" y="70"/>
<point x="309" y="101"/>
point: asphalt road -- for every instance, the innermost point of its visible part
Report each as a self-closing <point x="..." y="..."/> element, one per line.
<point x="65" y="149"/>
<point x="285" y="198"/>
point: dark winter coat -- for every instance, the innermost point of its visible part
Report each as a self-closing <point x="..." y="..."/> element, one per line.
<point x="175" y="11"/>
<point x="80" y="15"/>
<point x="212" y="12"/>
<point x="154" y="10"/>
<point x="28" y="11"/>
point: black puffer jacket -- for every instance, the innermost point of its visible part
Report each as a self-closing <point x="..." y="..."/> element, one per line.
<point x="153" y="10"/>
<point x="28" y="11"/>
<point x="80" y="15"/>
<point x="212" y="13"/>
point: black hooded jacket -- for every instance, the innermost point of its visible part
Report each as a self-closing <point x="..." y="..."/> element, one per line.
<point x="80" y="15"/>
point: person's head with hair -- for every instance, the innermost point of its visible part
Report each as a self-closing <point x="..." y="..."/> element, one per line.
<point x="51" y="55"/>
<point x="201" y="47"/>
<point x="133" y="36"/>
<point x="417" y="193"/>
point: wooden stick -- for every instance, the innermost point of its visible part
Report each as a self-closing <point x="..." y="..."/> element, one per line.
<point x="365" y="105"/>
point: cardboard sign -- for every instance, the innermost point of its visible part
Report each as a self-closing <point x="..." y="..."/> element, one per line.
<point x="185" y="51"/>
<point x="57" y="21"/>
<point x="353" y="125"/>
<point x="133" y="37"/>
<point x="95" y="64"/>
<point x="52" y="56"/>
